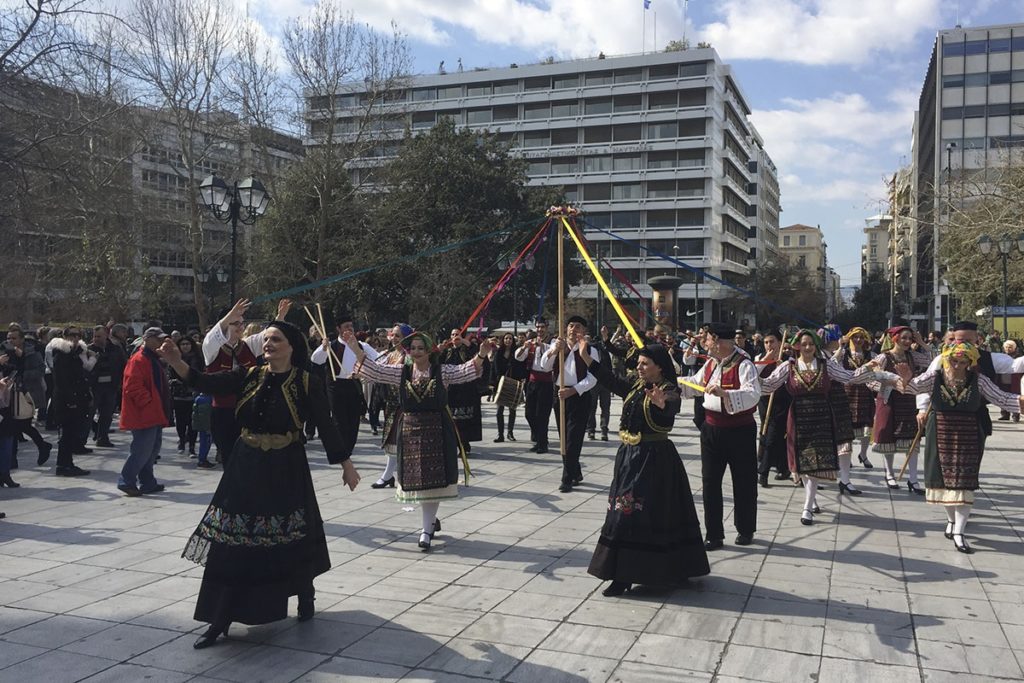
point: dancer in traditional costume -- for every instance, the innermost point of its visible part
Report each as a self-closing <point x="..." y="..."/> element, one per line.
<point x="896" y="414"/>
<point x="728" y="435"/>
<point x="392" y="406"/>
<point x="955" y="433"/>
<point x="463" y="399"/>
<point x="852" y="356"/>
<point x="348" y="402"/>
<point x="772" y="451"/>
<point x="429" y="447"/>
<point x="812" y="432"/>
<point x="577" y="382"/>
<point x="504" y="364"/>
<point x="540" y="390"/>
<point x="651" y="533"/>
<point x="262" y="538"/>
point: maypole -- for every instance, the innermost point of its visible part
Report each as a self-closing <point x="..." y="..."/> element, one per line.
<point x="561" y="330"/>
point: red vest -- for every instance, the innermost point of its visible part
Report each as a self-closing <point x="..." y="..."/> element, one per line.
<point x="537" y="375"/>
<point x="224" y="362"/>
<point x="730" y="380"/>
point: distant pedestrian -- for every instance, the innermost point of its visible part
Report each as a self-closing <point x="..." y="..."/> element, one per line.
<point x="145" y="411"/>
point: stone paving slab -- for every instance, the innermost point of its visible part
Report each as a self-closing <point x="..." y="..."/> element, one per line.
<point x="93" y="587"/>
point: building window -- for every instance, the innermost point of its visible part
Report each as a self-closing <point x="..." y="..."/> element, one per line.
<point x="627" y="103"/>
<point x="691" y="158"/>
<point x="508" y="112"/>
<point x="690" y="188"/>
<point x="562" y="82"/>
<point x="479" y="116"/>
<point x="565" y="136"/>
<point x="802" y="240"/>
<point x="660" y="218"/>
<point x="974" y="111"/>
<point x="600" y="192"/>
<point x="597" y="164"/>
<point x="541" y="110"/>
<point x="626" y="132"/>
<point x="565" y="165"/>
<point x="536" y="138"/>
<point x="626" y="162"/>
<point x="801" y="260"/>
<point x="537" y="83"/>
<point x="692" y="70"/>
<point x="424" y="95"/>
<point x="663" y="131"/>
<point x="626" y="220"/>
<point x="661" y="159"/>
<point x="629" y="76"/>
<point x="506" y="87"/>
<point x="692" y="128"/>
<point x="599" y="78"/>
<point x="478" y="89"/>
<point x="560" y="109"/>
<point x="626" y="191"/>
<point x="660" y="72"/>
<point x="662" y="100"/>
<point x="785" y="241"/>
<point x="597" y="134"/>
<point x="538" y="167"/>
<point x="598" y="106"/>
<point x="690" y="218"/>
<point x="449" y="93"/>
<point x="661" y="189"/>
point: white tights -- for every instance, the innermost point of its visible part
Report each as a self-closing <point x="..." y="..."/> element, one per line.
<point x="810" y="492"/>
<point x="389" y="468"/>
<point x="844" y="467"/>
<point x="911" y="468"/>
<point x="429" y="515"/>
<point x="957" y="516"/>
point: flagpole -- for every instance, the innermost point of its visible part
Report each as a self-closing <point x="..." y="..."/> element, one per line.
<point x="643" y="34"/>
<point x="655" y="47"/>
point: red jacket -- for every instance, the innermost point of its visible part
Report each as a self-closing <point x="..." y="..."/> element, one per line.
<point x="145" y="397"/>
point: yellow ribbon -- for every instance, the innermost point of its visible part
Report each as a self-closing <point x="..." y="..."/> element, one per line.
<point x="690" y="384"/>
<point x="604" y="285"/>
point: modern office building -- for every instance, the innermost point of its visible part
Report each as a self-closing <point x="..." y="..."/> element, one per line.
<point x="874" y="255"/>
<point x="658" y="148"/>
<point x="970" y="116"/>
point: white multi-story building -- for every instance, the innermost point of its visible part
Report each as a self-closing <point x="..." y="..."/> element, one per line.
<point x="970" y="113"/>
<point x="658" y="148"/>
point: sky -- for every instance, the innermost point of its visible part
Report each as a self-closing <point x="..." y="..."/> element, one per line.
<point x="833" y="84"/>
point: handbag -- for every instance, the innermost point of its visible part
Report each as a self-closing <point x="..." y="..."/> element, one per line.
<point x="24" y="407"/>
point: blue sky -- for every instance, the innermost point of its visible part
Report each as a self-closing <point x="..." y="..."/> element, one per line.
<point x="833" y="83"/>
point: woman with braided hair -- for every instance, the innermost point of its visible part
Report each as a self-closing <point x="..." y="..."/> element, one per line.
<point x="955" y="437"/>
<point x="854" y="352"/>
<point x="895" y="413"/>
<point x="812" y="432"/>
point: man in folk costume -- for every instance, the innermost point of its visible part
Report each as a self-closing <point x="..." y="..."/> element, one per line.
<point x="225" y="349"/>
<point x="539" y="390"/>
<point x="728" y="436"/>
<point x="348" y="405"/>
<point x="989" y="365"/>
<point x="578" y="381"/>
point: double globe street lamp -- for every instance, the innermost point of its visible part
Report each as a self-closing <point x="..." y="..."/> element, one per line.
<point x="1004" y="248"/>
<point x="242" y="202"/>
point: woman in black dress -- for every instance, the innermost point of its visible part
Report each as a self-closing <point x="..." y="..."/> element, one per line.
<point x="463" y="399"/>
<point x="651" y="533"/>
<point x="262" y="538"/>
<point x="504" y="363"/>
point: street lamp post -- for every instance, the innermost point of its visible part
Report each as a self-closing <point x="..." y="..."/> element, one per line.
<point x="1004" y="248"/>
<point x="242" y="202"/>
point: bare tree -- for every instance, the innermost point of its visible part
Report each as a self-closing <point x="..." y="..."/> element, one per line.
<point x="351" y="81"/>
<point x="177" y="50"/>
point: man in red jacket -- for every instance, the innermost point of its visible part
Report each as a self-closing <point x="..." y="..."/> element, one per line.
<point x="145" y="411"/>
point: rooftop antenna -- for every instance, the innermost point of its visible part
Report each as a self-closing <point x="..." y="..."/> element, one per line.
<point x="958" y="14"/>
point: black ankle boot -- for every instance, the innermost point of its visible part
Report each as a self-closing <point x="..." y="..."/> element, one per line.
<point x="209" y="638"/>
<point x="616" y="588"/>
<point x="306" y="609"/>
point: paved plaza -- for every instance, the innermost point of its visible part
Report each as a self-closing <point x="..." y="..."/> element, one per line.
<point x="92" y="585"/>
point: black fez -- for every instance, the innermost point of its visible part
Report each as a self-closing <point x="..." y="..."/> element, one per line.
<point x="300" y="352"/>
<point x="659" y="354"/>
<point x="342" y="317"/>
<point x="577" y="319"/>
<point x="722" y="330"/>
<point x="965" y="326"/>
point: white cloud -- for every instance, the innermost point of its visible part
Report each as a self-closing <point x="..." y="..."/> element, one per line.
<point x="818" y="31"/>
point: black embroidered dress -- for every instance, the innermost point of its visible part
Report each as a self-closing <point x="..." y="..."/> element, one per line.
<point x="262" y="538"/>
<point x="464" y="399"/>
<point x="651" y="533"/>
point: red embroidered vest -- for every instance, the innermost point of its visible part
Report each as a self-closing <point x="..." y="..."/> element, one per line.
<point x="224" y="362"/>
<point x="730" y="380"/>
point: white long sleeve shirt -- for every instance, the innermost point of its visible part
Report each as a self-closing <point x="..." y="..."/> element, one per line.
<point x="581" y="386"/>
<point x="347" y="357"/>
<point x="216" y="338"/>
<point x="1002" y="363"/>
<point x="735" y="400"/>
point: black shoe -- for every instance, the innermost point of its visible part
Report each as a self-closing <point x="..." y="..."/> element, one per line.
<point x="541" y="451"/>
<point x="962" y="545"/>
<point x="534" y="448"/>
<point x="762" y="479"/>
<point x="159" y="488"/>
<point x="616" y="588"/>
<point x="948" y="533"/>
<point x="44" y="454"/>
<point x="6" y="480"/>
<point x="107" y="443"/>
<point x="437" y="527"/>
<point x="469" y="448"/>
<point x="500" y="439"/>
<point x="604" y="436"/>
<point x="424" y="543"/>
<point x="130" y="491"/>
<point x="1004" y="418"/>
<point x="782" y="476"/>
<point x="914" y="487"/>
<point x="511" y="436"/>
<point x="744" y="539"/>
<point x="892" y="483"/>
<point x="713" y="543"/>
<point x="577" y="481"/>
<point x="81" y="451"/>
<point x="383" y="484"/>
<point x="848" y="490"/>
<point x="816" y="510"/>
<point x="205" y="465"/>
<point x="865" y="462"/>
<point x="306" y="609"/>
<point x="210" y="637"/>
<point x="71" y="471"/>
<point x="566" y="487"/>
<point x="591" y="436"/>
<point x="806" y="518"/>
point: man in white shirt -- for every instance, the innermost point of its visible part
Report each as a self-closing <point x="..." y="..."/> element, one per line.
<point x="728" y="436"/>
<point x="578" y="381"/>
<point x="348" y="404"/>
<point x="539" y="388"/>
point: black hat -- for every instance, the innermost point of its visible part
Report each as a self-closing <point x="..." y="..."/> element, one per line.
<point x="576" y="319"/>
<point x="659" y="354"/>
<point x="300" y="352"/>
<point x="722" y="330"/>
<point x="341" y="317"/>
<point x="965" y="326"/>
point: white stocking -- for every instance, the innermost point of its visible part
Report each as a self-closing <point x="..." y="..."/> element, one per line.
<point x="887" y="458"/>
<point x="865" y="443"/>
<point x="950" y="510"/>
<point x="844" y="467"/>
<point x="810" y="491"/>
<point x="429" y="515"/>
<point x="962" y="513"/>
<point x="389" y="468"/>
<point x="912" y="466"/>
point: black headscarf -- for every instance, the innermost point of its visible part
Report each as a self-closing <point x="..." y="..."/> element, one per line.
<point x="659" y="354"/>
<point x="300" y="352"/>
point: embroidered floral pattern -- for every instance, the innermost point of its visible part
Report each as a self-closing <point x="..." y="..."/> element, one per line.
<point x="626" y="503"/>
<point x="256" y="531"/>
